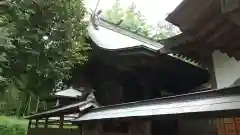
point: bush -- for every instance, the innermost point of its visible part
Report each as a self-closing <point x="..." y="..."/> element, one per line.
<point x="12" y="126"/>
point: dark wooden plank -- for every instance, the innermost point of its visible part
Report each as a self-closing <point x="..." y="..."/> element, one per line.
<point x="225" y="38"/>
<point x="234" y="17"/>
<point x="220" y="31"/>
<point x="236" y="54"/>
<point x="211" y="25"/>
<point x="232" y="46"/>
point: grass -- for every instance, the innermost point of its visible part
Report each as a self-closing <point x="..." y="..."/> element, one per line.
<point x="18" y="126"/>
<point x="13" y="126"/>
<point x="13" y="121"/>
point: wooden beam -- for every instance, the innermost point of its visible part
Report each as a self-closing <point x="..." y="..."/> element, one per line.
<point x="210" y="26"/>
<point x="57" y="124"/>
<point x="188" y="47"/>
<point x="228" y="37"/>
<point x="220" y="31"/>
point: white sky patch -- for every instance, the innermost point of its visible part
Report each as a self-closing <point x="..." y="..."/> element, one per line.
<point x="45" y="37"/>
<point x="153" y="10"/>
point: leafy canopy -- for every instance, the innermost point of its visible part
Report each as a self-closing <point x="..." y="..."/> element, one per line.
<point x="40" y="41"/>
<point x="134" y="20"/>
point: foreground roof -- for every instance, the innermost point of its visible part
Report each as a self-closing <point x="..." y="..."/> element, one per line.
<point x="219" y="103"/>
<point x="73" y="108"/>
<point x="64" y="110"/>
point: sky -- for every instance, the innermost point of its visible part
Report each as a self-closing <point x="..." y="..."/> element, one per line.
<point x="153" y="10"/>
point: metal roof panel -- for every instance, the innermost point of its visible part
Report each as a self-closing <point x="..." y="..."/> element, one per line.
<point x="205" y="102"/>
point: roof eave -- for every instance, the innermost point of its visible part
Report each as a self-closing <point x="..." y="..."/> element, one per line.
<point x="213" y="103"/>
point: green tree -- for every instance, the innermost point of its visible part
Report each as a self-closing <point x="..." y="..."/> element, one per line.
<point x="133" y="20"/>
<point x="40" y="41"/>
<point x="115" y="14"/>
<point x="164" y="30"/>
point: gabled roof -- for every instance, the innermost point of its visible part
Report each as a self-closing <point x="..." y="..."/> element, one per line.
<point x="70" y="92"/>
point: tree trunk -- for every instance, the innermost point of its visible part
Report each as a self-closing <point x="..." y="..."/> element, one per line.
<point x="37" y="106"/>
<point x="28" y="105"/>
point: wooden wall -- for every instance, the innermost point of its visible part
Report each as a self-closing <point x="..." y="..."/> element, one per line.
<point x="134" y="128"/>
<point x="229" y="126"/>
<point x="200" y="126"/>
<point x="185" y="127"/>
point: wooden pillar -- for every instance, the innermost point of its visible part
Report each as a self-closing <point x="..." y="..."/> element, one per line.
<point x="207" y="62"/>
<point x="83" y="129"/>
<point x="220" y="125"/>
<point x="29" y="123"/>
<point x="61" y="121"/>
<point x="148" y="128"/>
<point x="46" y="123"/>
<point x="36" y="124"/>
<point x="99" y="128"/>
<point x="132" y="127"/>
<point x="80" y="128"/>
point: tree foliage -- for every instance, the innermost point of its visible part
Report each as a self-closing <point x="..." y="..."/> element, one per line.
<point x="134" y="20"/>
<point x="40" y="41"/>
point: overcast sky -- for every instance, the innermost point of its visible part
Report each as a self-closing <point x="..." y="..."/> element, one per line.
<point x="153" y="10"/>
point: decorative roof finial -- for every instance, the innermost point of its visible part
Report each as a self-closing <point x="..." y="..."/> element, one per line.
<point x="95" y="16"/>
